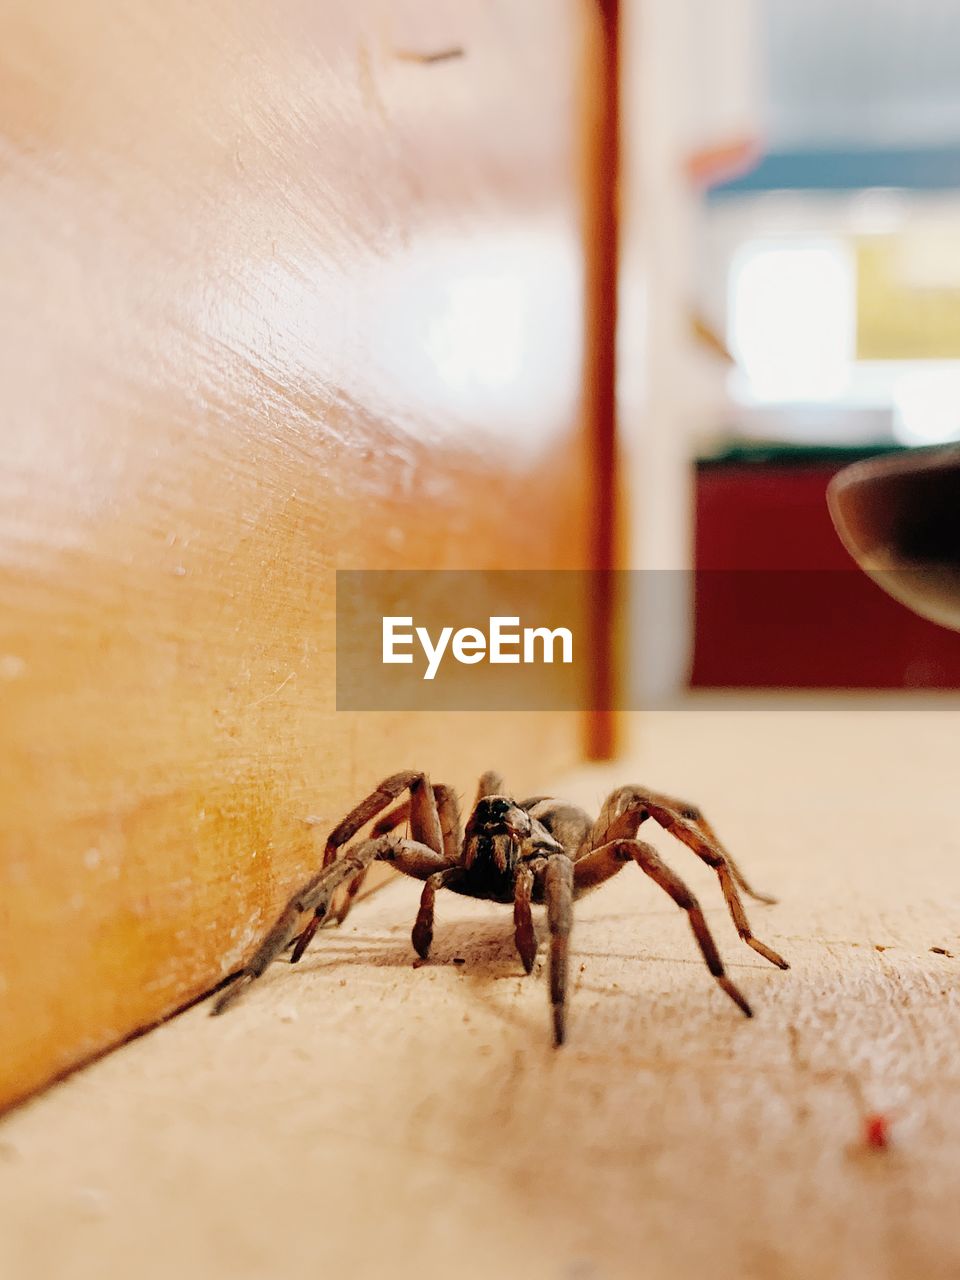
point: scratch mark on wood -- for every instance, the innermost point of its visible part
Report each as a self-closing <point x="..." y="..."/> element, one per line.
<point x="273" y="692"/>
<point x="441" y="55"/>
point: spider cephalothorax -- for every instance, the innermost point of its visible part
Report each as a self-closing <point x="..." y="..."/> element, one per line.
<point x="540" y="850"/>
<point x="498" y="834"/>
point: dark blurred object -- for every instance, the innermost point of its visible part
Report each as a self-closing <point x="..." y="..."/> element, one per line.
<point x="779" y="603"/>
<point x="899" y="517"/>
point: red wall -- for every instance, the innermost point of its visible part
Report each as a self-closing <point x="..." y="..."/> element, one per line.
<point x="779" y="602"/>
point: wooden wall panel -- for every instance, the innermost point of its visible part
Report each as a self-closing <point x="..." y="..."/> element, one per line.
<point x="280" y="295"/>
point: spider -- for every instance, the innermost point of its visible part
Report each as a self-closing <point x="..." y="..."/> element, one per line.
<point x="539" y="850"/>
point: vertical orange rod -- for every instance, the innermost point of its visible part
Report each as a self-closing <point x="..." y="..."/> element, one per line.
<point x="600" y="376"/>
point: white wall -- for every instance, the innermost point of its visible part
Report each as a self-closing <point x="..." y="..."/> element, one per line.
<point x="870" y="72"/>
<point x="690" y="80"/>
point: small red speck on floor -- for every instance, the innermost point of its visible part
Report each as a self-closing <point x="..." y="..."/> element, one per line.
<point x="876" y="1131"/>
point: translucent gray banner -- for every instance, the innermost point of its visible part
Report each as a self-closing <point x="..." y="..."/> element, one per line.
<point x="529" y="640"/>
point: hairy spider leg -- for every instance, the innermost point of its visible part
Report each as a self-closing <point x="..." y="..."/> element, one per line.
<point x="429" y="812"/>
<point x="627" y="807"/>
<point x="409" y="856"/>
<point x="603" y="863"/>
<point x="523" y="931"/>
<point x="422" y="936"/>
<point x="491" y="784"/>
<point x="448" y="811"/>
<point x="424" y="819"/>
<point x="558" y="895"/>
<point x="695" y="815"/>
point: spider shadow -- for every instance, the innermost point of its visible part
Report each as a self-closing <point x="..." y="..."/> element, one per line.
<point x="482" y="953"/>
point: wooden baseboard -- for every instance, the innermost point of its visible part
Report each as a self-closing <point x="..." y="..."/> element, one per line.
<point x="288" y="295"/>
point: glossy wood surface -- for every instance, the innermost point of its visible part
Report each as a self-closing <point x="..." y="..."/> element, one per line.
<point x="282" y="293"/>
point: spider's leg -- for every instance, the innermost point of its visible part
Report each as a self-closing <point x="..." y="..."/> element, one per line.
<point x="524" y="933"/>
<point x="391" y="820"/>
<point x="334" y="918"/>
<point x="595" y="868"/>
<point x="448" y="811"/>
<point x="302" y="941"/>
<point x="424" y="820"/>
<point x="420" y="808"/>
<point x="558" y="895"/>
<point x="685" y="831"/>
<point x="491" y="784"/>
<point x="388" y="822"/>
<point x="428" y="811"/>
<point x="409" y="856"/>
<point x="402" y="860"/>
<point x="621" y="816"/>
<point x="353" y="888"/>
<point x="694" y="814"/>
<point x="648" y="860"/>
<point x="313" y="896"/>
<point x="422" y="936"/>
<point x="451" y="828"/>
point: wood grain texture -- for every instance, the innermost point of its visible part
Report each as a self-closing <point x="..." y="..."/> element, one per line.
<point x="279" y="298"/>
<point x="392" y="1120"/>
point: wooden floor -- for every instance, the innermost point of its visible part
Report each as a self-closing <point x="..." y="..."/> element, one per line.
<point x="360" y="1117"/>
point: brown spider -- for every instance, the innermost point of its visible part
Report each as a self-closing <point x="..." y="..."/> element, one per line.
<point x="540" y="850"/>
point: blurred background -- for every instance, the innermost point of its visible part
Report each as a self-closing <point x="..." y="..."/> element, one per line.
<point x="794" y="285"/>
